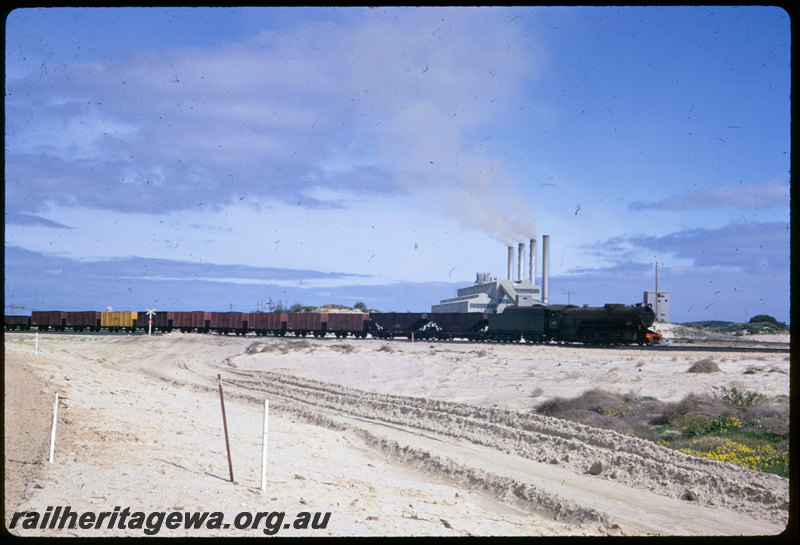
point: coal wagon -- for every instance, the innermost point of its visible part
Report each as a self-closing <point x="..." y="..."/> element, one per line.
<point x="455" y="325"/>
<point x="387" y="325"/>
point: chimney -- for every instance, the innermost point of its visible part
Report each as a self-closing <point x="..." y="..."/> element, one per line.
<point x="545" y="267"/>
<point x="510" y="261"/>
<point x="532" y="260"/>
<point x="520" y="260"/>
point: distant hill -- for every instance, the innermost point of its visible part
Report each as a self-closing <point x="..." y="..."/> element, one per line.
<point x="708" y="323"/>
<point x="759" y="325"/>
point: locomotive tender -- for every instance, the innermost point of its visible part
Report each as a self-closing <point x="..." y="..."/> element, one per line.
<point x="611" y="324"/>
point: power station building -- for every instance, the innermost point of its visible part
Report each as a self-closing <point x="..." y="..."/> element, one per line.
<point x="490" y="295"/>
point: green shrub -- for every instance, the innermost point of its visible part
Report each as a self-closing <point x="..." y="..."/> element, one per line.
<point x="740" y="400"/>
<point x="701" y="404"/>
<point x="693" y="424"/>
<point x="724" y="425"/>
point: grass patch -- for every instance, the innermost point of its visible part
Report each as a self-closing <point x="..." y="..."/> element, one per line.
<point x="289" y="346"/>
<point x="282" y="347"/>
<point x="344" y="348"/>
<point x="727" y="440"/>
<point x="741" y="427"/>
<point x="258" y="348"/>
<point x="255" y="348"/>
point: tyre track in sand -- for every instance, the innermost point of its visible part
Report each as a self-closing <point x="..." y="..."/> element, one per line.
<point x="537" y="462"/>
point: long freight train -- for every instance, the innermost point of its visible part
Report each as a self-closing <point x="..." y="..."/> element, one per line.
<point x="610" y="324"/>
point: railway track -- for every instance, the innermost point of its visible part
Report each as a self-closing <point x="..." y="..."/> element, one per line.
<point x="686" y="345"/>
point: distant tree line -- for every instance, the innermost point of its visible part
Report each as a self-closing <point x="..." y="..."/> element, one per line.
<point x="767" y="319"/>
<point x="297" y="307"/>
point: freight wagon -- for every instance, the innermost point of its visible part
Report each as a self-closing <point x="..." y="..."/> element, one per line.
<point x="119" y="320"/>
<point x="187" y="321"/>
<point x="78" y="321"/>
<point x="161" y="321"/>
<point x="49" y="319"/>
<point x="268" y="323"/>
<point x="229" y="322"/>
<point x="344" y="324"/>
<point x="387" y="325"/>
<point x="449" y="325"/>
<point x="13" y="322"/>
<point x="305" y="323"/>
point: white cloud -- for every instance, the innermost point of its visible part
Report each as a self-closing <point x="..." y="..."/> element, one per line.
<point x="756" y="195"/>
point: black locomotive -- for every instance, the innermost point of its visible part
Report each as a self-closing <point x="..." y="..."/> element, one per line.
<point x="610" y="324"/>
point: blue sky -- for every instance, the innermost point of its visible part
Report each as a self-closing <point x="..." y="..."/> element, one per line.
<point x="213" y="158"/>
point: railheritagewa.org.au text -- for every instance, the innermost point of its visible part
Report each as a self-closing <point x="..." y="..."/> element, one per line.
<point x="151" y="523"/>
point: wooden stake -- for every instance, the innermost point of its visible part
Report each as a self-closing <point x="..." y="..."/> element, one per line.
<point x="53" y="426"/>
<point x="264" y="448"/>
<point x="225" y="427"/>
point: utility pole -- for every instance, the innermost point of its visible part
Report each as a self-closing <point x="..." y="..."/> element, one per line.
<point x="568" y="292"/>
<point x="656" y="265"/>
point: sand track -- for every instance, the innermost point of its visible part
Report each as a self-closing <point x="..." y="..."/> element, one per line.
<point x="508" y="450"/>
<point x="505" y="455"/>
<point x="536" y="464"/>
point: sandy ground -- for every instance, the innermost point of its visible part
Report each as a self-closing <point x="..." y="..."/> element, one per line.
<point x="392" y="438"/>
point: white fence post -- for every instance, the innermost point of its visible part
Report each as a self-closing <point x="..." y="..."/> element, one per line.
<point x="53" y="426"/>
<point x="264" y="448"/>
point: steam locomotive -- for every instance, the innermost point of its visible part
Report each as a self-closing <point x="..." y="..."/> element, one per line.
<point x="611" y="324"/>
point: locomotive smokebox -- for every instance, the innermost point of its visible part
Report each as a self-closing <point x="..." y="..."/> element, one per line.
<point x="545" y="267"/>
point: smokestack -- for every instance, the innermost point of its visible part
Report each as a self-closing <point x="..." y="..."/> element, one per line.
<point x="531" y="259"/>
<point x="510" y="261"/>
<point x="545" y="267"/>
<point x="520" y="260"/>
